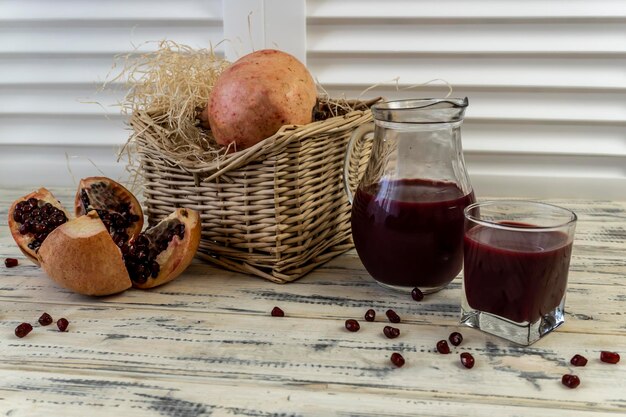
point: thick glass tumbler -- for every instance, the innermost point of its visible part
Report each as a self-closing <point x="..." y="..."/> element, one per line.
<point x="516" y="262"/>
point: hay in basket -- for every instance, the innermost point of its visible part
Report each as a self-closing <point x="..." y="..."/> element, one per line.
<point x="277" y="209"/>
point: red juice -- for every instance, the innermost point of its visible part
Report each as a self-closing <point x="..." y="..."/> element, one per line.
<point x="517" y="275"/>
<point x="409" y="232"/>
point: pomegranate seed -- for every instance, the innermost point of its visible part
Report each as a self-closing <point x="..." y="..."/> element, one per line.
<point x="370" y="315"/>
<point x="352" y="325"/>
<point x="62" y="324"/>
<point x="391" y="332"/>
<point x="455" y="338"/>
<point x="397" y="359"/>
<point x="23" y="329"/>
<point x="578" y="360"/>
<point x="570" y="381"/>
<point x="417" y="294"/>
<point x="10" y="262"/>
<point x="467" y="360"/>
<point x="392" y="316"/>
<point x="609" y="357"/>
<point x="278" y="312"/>
<point x="45" y="319"/>
<point x="442" y="347"/>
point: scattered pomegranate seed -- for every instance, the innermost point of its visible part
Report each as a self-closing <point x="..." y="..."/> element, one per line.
<point x="417" y="294"/>
<point x="455" y="338"/>
<point x="370" y="315"/>
<point x="392" y="316"/>
<point x="352" y="325"/>
<point x="578" y="360"/>
<point x="391" y="332"/>
<point x="397" y="359"/>
<point x="570" y="381"/>
<point x="442" y="347"/>
<point x="467" y="360"/>
<point x="278" y="312"/>
<point x="23" y="329"/>
<point x="10" y="262"/>
<point x="45" y="319"/>
<point x="62" y="324"/>
<point x="609" y="357"/>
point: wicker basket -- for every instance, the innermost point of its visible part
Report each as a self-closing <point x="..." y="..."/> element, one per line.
<point x="276" y="210"/>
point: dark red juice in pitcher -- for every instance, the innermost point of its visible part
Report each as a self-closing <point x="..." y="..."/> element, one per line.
<point x="516" y="275"/>
<point x="409" y="232"/>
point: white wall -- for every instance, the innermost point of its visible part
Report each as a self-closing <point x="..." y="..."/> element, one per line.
<point x="546" y="79"/>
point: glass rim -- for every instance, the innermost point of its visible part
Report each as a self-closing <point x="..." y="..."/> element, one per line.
<point x="420" y="104"/>
<point x="573" y="217"/>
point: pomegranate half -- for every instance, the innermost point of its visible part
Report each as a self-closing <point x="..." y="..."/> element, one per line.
<point x="164" y="251"/>
<point x="117" y="207"/>
<point x="32" y="218"/>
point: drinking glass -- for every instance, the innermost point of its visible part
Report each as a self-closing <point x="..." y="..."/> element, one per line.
<point x="516" y="262"/>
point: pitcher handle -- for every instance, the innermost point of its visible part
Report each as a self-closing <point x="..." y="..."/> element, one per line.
<point x="358" y="134"/>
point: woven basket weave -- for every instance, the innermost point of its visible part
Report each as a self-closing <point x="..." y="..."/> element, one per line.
<point x="276" y="210"/>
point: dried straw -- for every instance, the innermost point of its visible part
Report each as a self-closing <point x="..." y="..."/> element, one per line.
<point x="173" y="84"/>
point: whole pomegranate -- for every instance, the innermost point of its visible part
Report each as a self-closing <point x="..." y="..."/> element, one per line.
<point x="258" y="94"/>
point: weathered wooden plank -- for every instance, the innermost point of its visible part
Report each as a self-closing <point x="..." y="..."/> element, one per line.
<point x="591" y="308"/>
<point x="187" y="346"/>
<point x="331" y="292"/>
<point x="29" y="393"/>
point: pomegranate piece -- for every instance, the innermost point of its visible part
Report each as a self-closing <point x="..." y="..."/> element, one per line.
<point x="467" y="360"/>
<point x="417" y="294"/>
<point x="23" y="329"/>
<point x="609" y="357"/>
<point x="278" y="312"/>
<point x="391" y="332"/>
<point x="62" y="324"/>
<point x="45" y="319"/>
<point x="81" y="256"/>
<point x="392" y="316"/>
<point x="10" y="262"/>
<point x="578" y="360"/>
<point x="442" y="347"/>
<point x="117" y="207"/>
<point x="370" y="315"/>
<point x="397" y="359"/>
<point x="164" y="251"/>
<point x="455" y="338"/>
<point x="570" y="381"/>
<point x="352" y="325"/>
<point x="32" y="218"/>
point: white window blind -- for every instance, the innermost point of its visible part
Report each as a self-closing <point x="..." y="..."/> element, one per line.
<point x="546" y="78"/>
<point x="54" y="55"/>
<point x="546" y="81"/>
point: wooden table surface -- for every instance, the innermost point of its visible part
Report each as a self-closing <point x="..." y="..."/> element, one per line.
<point x="206" y="345"/>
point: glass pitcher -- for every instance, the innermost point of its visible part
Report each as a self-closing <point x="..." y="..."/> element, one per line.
<point x="407" y="211"/>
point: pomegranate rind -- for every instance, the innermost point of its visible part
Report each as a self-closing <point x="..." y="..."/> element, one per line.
<point x="21" y="240"/>
<point x="180" y="252"/>
<point x="81" y="256"/>
<point x="120" y="191"/>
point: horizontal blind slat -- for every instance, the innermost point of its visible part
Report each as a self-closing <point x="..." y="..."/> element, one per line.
<point x="533" y="72"/>
<point x="462" y="8"/>
<point x="106" y="39"/>
<point x="43" y="10"/>
<point x="462" y="37"/>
